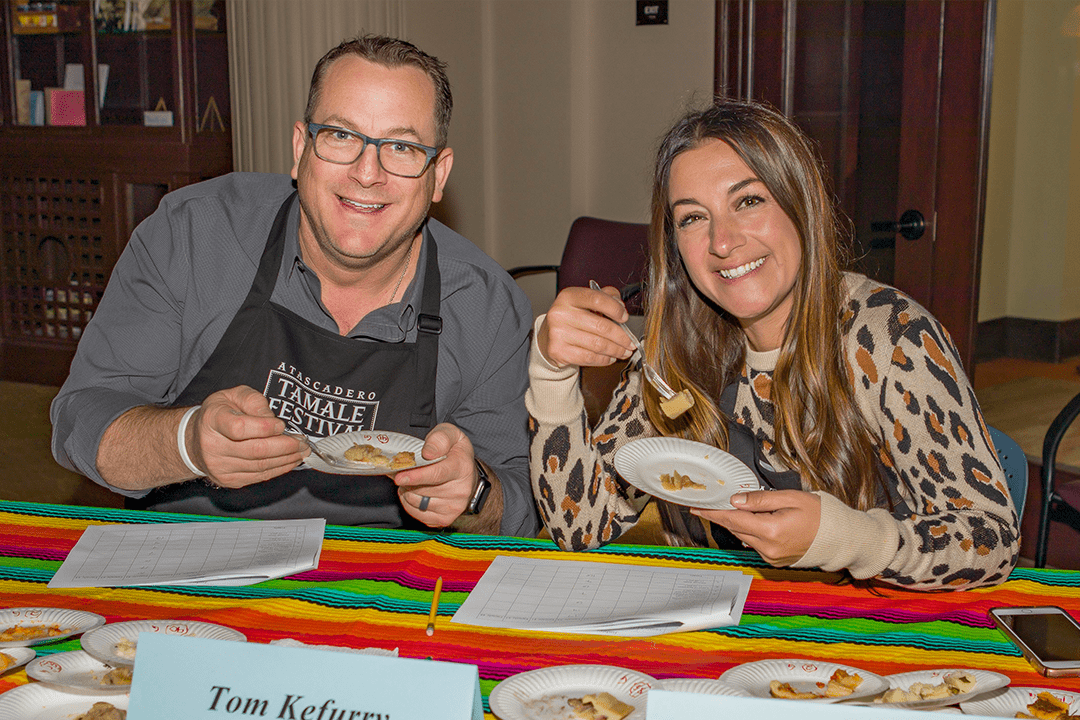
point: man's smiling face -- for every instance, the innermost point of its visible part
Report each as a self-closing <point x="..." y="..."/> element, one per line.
<point x="356" y="215"/>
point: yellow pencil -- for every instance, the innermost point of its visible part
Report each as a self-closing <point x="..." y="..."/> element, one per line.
<point x="434" y="607"/>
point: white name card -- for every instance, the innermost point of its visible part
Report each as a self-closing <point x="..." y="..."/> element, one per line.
<point x="157" y="118"/>
<point x="179" y="678"/>
<point x="667" y="705"/>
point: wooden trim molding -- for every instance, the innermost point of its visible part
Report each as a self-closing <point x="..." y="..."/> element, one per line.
<point x="1023" y="339"/>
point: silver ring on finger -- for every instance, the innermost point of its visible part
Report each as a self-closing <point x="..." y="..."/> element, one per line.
<point x="424" y="502"/>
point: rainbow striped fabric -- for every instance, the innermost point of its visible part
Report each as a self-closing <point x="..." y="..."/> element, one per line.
<point x="373" y="588"/>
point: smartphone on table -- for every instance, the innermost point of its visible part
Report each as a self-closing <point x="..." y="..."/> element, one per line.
<point x="1047" y="636"/>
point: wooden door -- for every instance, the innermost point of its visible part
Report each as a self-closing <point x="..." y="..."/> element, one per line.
<point x="896" y="95"/>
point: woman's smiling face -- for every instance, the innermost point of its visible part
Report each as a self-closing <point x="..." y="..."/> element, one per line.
<point x="740" y="248"/>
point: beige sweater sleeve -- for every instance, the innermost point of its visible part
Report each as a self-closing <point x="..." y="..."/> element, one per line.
<point x="554" y="395"/>
<point x="959" y="528"/>
<point x="582" y="500"/>
<point x="956" y="527"/>
<point x="862" y="542"/>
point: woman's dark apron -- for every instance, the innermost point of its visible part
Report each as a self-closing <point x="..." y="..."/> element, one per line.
<point x="744" y="446"/>
<point x="323" y="384"/>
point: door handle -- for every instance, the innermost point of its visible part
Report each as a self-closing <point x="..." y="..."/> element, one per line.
<point x="911" y="225"/>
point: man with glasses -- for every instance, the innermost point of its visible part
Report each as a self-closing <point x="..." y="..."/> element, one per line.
<point x="245" y="319"/>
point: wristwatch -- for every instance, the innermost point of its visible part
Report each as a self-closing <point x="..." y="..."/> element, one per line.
<point x="479" y="496"/>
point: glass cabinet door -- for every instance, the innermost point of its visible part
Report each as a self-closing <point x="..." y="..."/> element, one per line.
<point x="149" y="82"/>
<point x="135" y="62"/>
<point x="211" y="66"/>
<point x="49" y="54"/>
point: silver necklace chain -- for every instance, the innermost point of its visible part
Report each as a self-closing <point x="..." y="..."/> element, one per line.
<point x="402" y="277"/>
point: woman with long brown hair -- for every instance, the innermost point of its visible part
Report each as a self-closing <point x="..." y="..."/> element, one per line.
<point x="845" y="397"/>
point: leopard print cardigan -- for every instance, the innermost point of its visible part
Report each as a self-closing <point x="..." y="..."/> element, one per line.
<point x="935" y="451"/>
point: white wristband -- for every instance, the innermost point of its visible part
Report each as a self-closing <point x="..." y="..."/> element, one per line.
<point x="181" y="441"/>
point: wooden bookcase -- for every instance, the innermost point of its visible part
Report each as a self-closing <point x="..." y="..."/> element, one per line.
<point x="70" y="195"/>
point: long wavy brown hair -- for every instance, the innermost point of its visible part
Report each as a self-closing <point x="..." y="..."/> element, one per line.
<point x="819" y="429"/>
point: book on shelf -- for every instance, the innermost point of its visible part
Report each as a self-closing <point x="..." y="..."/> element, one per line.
<point x="64" y="107"/>
<point x="73" y="77"/>
<point x="22" y="102"/>
<point x="37" y="107"/>
<point x="103" y="82"/>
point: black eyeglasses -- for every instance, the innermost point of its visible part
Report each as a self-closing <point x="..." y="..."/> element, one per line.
<point x="344" y="147"/>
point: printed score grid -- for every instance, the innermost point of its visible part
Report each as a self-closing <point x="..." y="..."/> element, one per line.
<point x="535" y="593"/>
<point x="111" y="556"/>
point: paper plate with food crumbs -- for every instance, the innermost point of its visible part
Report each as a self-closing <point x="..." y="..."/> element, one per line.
<point x="1009" y="701"/>
<point x="11" y="658"/>
<point x="561" y="692"/>
<point x="79" y="670"/>
<point x="928" y="689"/>
<point x="37" y="701"/>
<point x="115" y="643"/>
<point x="22" y="626"/>
<point x="374" y="452"/>
<point x="807" y="680"/>
<point x="684" y="472"/>
<point x="702" y="686"/>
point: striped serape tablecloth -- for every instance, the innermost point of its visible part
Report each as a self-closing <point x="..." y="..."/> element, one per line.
<point x="373" y="588"/>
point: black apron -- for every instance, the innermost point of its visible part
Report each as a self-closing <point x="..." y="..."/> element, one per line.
<point x="323" y="384"/>
<point x="744" y="446"/>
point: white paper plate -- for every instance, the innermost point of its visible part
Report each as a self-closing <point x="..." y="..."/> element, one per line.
<point x="642" y="462"/>
<point x="101" y="643"/>
<point x="71" y="622"/>
<point x="542" y="694"/>
<point x="21" y="656"/>
<point x="76" y="669"/>
<point x="703" y="686"/>
<point x="1011" y="700"/>
<point x="389" y="443"/>
<point x="803" y="676"/>
<point x="45" y="702"/>
<point x="985" y="682"/>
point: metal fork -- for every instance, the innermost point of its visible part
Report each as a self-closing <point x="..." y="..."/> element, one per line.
<point x="325" y="457"/>
<point x="650" y="372"/>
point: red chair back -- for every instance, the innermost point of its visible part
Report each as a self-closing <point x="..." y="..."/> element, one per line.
<point x="607" y="251"/>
